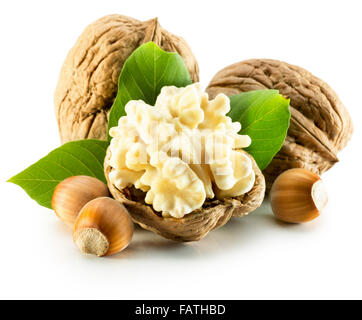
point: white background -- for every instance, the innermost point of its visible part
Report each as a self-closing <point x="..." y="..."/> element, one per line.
<point x="253" y="257"/>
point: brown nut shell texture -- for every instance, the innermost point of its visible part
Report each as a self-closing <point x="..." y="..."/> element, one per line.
<point x="88" y="80"/>
<point x="320" y="125"/>
<point x="193" y="226"/>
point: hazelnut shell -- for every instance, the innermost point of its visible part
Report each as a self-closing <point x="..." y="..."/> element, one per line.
<point x="297" y="196"/>
<point x="103" y="227"/>
<point x="73" y="193"/>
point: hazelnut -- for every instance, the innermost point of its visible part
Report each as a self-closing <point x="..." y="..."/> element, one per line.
<point x="73" y="193"/>
<point x="297" y="196"/>
<point x="103" y="227"/>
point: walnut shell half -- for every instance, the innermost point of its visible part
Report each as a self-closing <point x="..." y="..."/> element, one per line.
<point x="320" y="125"/>
<point x="196" y="225"/>
<point x="88" y="80"/>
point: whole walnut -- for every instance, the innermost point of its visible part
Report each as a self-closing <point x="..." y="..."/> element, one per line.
<point x="88" y="80"/>
<point x="320" y="125"/>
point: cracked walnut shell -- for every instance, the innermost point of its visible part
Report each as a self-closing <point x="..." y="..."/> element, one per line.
<point x="320" y="125"/>
<point x="195" y="225"/>
<point x="88" y="80"/>
<point x="181" y="151"/>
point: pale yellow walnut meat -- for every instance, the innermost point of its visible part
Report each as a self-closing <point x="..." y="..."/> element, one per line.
<point x="166" y="143"/>
<point x="242" y="177"/>
<point x="182" y="104"/>
<point x="175" y="190"/>
<point x="182" y="169"/>
<point x="194" y="226"/>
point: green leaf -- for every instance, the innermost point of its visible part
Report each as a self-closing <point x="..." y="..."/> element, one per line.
<point x="83" y="157"/>
<point x="143" y="75"/>
<point x="264" y="116"/>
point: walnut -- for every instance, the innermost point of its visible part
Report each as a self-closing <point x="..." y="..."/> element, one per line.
<point x="179" y="166"/>
<point x="180" y="152"/>
<point x="194" y="226"/>
<point x="88" y="80"/>
<point x="320" y="125"/>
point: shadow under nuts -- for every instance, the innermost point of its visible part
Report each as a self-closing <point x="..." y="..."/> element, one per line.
<point x="88" y="80"/>
<point x="73" y="193"/>
<point x="320" y="125"/>
<point x="298" y="196"/>
<point x="103" y="227"/>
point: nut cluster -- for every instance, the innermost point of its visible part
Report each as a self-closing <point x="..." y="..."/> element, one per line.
<point x="166" y="191"/>
<point x="101" y="226"/>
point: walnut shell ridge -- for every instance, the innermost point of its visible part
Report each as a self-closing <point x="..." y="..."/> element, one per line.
<point x="88" y="80"/>
<point x="320" y="125"/>
<point x="196" y="225"/>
